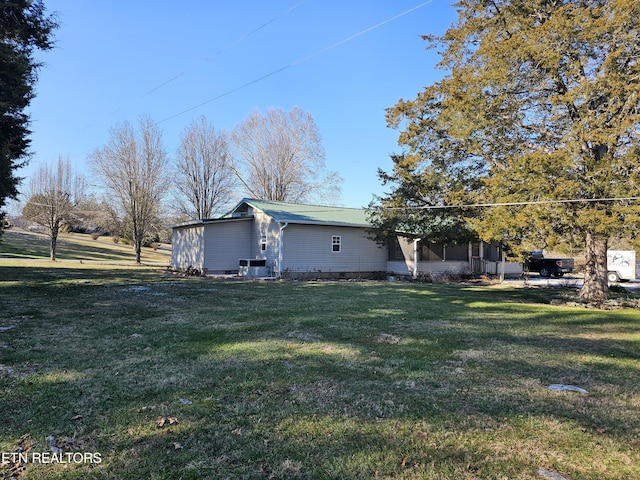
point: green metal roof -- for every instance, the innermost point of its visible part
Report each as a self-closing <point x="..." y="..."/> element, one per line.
<point x="308" y="214"/>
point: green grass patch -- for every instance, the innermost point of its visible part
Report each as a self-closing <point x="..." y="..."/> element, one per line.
<point x="173" y="377"/>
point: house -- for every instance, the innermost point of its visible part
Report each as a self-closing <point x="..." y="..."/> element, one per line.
<point x="277" y="239"/>
<point x="286" y="239"/>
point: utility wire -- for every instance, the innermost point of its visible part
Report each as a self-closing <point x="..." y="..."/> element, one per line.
<point x="227" y="47"/>
<point x="514" y="204"/>
<point x="221" y="50"/>
<point x="299" y="61"/>
<point x="359" y="34"/>
<point x="306" y="209"/>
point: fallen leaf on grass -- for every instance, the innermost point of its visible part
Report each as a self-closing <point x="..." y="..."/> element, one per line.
<point x="163" y="421"/>
<point x="15" y="465"/>
<point x="237" y="431"/>
<point x="177" y="445"/>
<point x="387" y="338"/>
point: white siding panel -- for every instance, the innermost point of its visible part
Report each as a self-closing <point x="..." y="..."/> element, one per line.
<point x="448" y="266"/>
<point x="225" y="244"/>
<point x="308" y="248"/>
<point x="187" y="247"/>
<point x="265" y="225"/>
<point x="399" y="267"/>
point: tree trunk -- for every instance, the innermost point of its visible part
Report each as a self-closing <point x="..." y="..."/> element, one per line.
<point x="137" y="242"/>
<point x="53" y="244"/>
<point x="596" y="286"/>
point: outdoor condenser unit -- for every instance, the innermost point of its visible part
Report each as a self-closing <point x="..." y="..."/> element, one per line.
<point x="253" y="267"/>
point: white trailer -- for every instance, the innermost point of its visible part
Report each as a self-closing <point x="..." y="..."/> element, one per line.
<point x="621" y="265"/>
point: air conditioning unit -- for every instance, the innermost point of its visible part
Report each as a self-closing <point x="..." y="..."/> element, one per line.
<point x="253" y="267"/>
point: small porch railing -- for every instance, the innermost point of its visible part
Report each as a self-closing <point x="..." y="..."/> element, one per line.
<point x="480" y="266"/>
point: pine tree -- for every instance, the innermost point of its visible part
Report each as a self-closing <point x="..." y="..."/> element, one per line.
<point x="24" y="28"/>
<point x="540" y="104"/>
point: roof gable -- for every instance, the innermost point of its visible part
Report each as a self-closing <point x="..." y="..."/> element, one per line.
<point x="306" y="214"/>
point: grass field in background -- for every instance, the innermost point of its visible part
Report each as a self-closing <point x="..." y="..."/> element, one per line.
<point x="171" y="377"/>
<point x="19" y="244"/>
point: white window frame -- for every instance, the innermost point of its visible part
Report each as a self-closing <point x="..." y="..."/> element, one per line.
<point x="263" y="243"/>
<point x="336" y="240"/>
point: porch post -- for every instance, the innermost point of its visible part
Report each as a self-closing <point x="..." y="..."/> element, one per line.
<point x="280" y="250"/>
<point x="415" y="258"/>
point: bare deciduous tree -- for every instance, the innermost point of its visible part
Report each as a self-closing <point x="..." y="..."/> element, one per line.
<point x="204" y="177"/>
<point x="279" y="156"/>
<point x="133" y="168"/>
<point x="51" y="199"/>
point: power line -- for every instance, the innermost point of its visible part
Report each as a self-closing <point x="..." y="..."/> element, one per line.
<point x="515" y="204"/>
<point x="299" y="61"/>
<point x="360" y="33"/>
<point x="305" y="209"/>
<point x="244" y="37"/>
<point x="221" y="50"/>
<point x="225" y="94"/>
<point x="229" y="46"/>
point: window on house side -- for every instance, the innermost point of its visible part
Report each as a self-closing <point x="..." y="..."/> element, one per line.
<point x="263" y="243"/>
<point x="395" y="250"/>
<point x="336" y="244"/>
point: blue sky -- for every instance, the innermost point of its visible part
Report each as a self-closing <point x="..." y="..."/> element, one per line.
<point x="118" y="60"/>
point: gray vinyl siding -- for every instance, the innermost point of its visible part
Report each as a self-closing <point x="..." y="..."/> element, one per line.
<point x="225" y="244"/>
<point x="187" y="247"/>
<point x="265" y="225"/>
<point x="308" y="248"/>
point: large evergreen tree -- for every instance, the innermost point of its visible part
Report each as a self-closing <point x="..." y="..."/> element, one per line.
<point x="24" y="28"/>
<point x="540" y="104"/>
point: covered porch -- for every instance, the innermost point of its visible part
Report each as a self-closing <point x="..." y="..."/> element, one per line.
<point x="415" y="257"/>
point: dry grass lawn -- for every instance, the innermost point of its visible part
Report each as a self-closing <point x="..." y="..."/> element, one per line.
<point x="167" y="377"/>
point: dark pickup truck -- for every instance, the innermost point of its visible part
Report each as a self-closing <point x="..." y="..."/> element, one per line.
<point x="547" y="267"/>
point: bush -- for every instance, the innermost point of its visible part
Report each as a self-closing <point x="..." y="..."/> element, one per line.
<point x="192" y="272"/>
<point x="95" y="236"/>
<point x="116" y="239"/>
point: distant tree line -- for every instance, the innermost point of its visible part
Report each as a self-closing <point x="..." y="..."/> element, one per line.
<point x="276" y="155"/>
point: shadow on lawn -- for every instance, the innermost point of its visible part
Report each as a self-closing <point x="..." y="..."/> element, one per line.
<point x="40" y="277"/>
<point x="260" y="418"/>
<point x="297" y="381"/>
